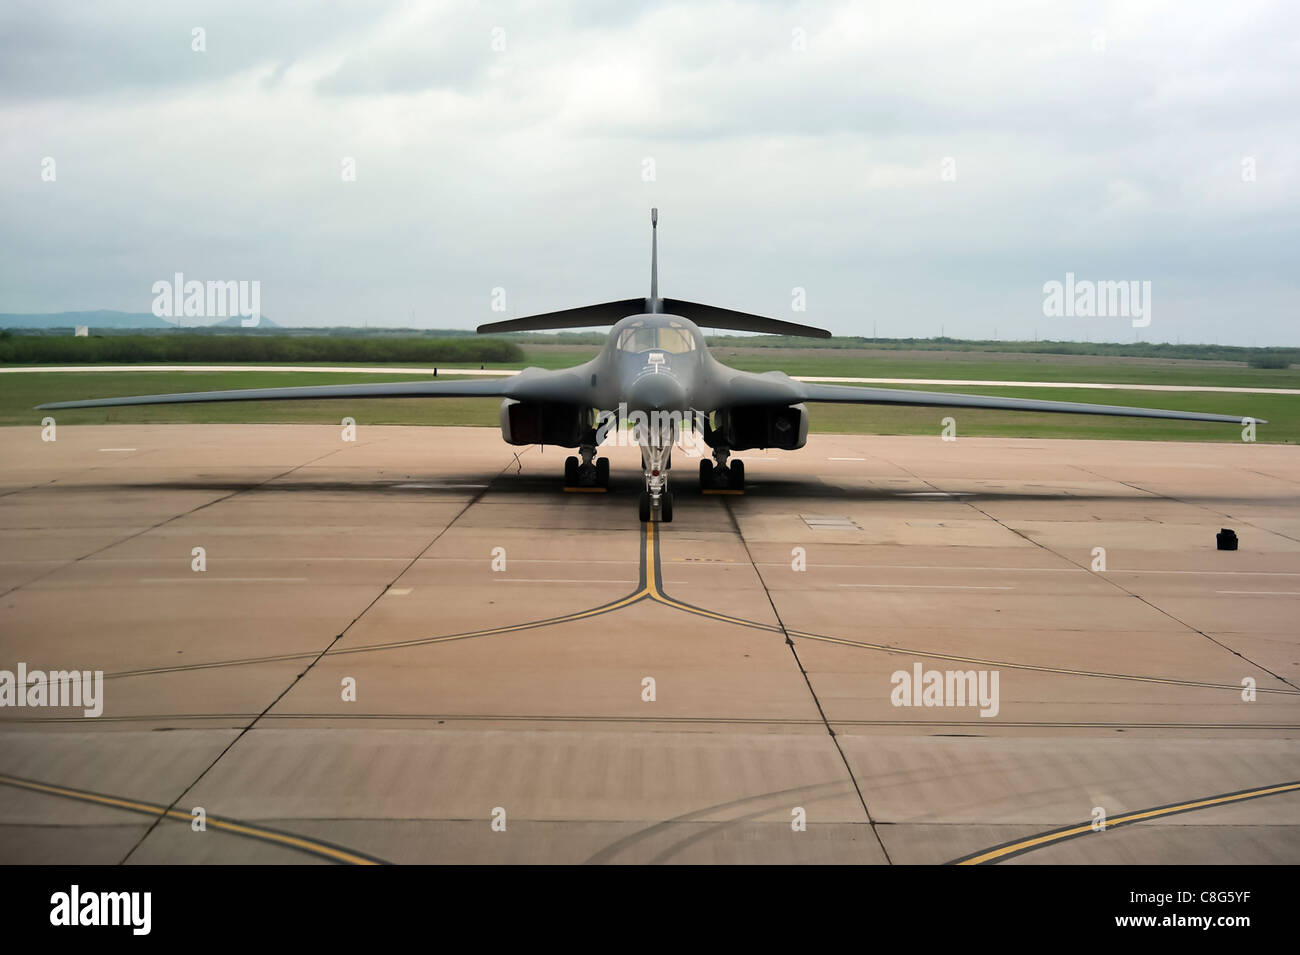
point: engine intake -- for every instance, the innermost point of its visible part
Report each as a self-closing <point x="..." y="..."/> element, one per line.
<point x="759" y="426"/>
<point x="544" y="422"/>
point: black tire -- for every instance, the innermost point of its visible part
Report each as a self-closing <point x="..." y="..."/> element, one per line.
<point x="706" y="475"/>
<point x="571" y="471"/>
<point x="666" y="507"/>
<point x="645" y="508"/>
<point x="737" y="475"/>
<point x="602" y="472"/>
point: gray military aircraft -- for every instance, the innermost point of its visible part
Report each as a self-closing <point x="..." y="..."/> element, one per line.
<point x="655" y="368"/>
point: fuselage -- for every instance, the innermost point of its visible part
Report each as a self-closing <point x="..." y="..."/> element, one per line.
<point x="651" y="362"/>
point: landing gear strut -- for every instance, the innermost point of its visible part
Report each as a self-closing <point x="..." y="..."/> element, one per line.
<point x="656" y="461"/>
<point x="720" y="476"/>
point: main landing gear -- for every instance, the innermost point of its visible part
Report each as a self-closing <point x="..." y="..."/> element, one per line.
<point x="589" y="473"/>
<point x="720" y="476"/>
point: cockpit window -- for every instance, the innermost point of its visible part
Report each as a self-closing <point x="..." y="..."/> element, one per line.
<point x="673" y="338"/>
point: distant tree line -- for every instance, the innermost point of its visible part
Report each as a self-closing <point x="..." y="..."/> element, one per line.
<point x="1270" y="358"/>
<point x="380" y="345"/>
<point x="1276" y="357"/>
<point x="265" y="329"/>
<point x="133" y="349"/>
<point x="1257" y="357"/>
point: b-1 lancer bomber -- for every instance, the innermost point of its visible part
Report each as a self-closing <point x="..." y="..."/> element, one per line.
<point x="656" y="369"/>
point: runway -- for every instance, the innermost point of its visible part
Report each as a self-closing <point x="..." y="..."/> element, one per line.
<point x="498" y="635"/>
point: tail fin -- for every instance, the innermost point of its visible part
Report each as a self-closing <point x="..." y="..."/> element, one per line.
<point x="609" y="313"/>
<point x="655" y="305"/>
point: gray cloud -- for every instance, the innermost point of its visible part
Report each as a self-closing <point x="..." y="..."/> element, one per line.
<point x="776" y="167"/>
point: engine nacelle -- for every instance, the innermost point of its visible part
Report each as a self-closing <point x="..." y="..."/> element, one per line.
<point x="759" y="426"/>
<point x="544" y="422"/>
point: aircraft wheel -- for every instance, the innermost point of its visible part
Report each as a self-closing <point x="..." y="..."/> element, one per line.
<point x="571" y="471"/>
<point x="706" y="475"/>
<point x="645" y="508"/>
<point x="602" y="472"/>
<point x="666" y="507"/>
<point x="738" y="475"/>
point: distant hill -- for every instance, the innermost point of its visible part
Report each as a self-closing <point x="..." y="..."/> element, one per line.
<point x="104" y="318"/>
<point x="234" y="322"/>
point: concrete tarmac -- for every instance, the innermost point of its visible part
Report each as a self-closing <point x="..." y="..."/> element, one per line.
<point x="415" y="647"/>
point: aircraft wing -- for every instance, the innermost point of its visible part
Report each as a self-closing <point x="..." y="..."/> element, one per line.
<point x="775" y="387"/>
<point x="710" y="316"/>
<point x="898" y="396"/>
<point x="606" y="313"/>
<point x="532" y="383"/>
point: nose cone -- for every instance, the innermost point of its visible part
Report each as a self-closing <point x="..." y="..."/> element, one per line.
<point x="657" y="393"/>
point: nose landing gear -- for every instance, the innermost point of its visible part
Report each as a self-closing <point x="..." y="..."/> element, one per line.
<point x="656" y="461"/>
<point x="665" y="512"/>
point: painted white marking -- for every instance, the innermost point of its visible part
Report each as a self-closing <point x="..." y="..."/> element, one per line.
<point x="117" y="449"/>
<point x="527" y="560"/>
<point x="544" y="580"/>
<point x="311" y="559"/>
<point x="1213" y="573"/>
<point x="1263" y="593"/>
<point x="846" y="459"/>
<point x="442" y="487"/>
<point x="1045" y="570"/>
<point x="1036" y="570"/>
<point x="924" y="587"/>
<point x="205" y="578"/>
<point x="399" y="591"/>
<point x="1100" y="386"/>
<point x="443" y="370"/>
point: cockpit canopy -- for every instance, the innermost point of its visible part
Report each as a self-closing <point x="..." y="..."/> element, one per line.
<point x="672" y="337"/>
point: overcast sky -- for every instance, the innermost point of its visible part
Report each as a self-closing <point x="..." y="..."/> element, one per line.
<point x="912" y="166"/>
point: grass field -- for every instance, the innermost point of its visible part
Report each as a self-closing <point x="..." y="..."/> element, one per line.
<point x="19" y="393"/>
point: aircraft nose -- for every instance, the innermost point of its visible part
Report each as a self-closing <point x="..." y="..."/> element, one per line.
<point x="657" y="393"/>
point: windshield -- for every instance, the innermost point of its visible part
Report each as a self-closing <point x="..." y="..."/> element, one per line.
<point x="672" y="338"/>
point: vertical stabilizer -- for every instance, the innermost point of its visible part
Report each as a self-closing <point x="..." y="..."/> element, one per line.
<point x="653" y="304"/>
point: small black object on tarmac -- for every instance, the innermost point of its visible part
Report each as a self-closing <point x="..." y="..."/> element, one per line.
<point x="1226" y="539"/>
